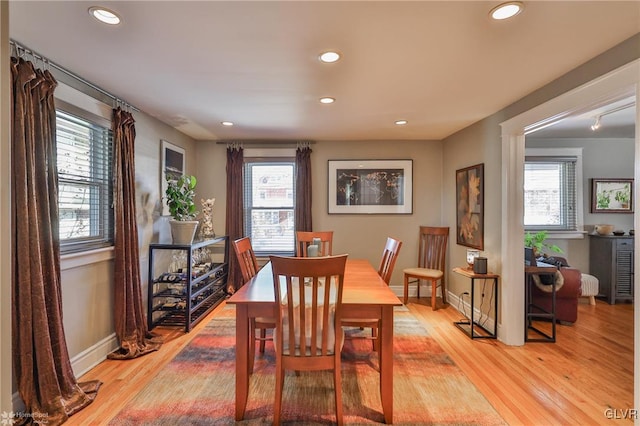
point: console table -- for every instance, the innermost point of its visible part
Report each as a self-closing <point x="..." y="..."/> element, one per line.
<point x="471" y="326"/>
<point x="534" y="312"/>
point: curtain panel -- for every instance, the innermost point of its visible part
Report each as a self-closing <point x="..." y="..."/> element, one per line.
<point x="130" y="322"/>
<point x="42" y="368"/>
<point x="303" y="220"/>
<point x="235" y="210"/>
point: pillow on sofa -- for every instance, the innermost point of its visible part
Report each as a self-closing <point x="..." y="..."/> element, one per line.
<point x="559" y="262"/>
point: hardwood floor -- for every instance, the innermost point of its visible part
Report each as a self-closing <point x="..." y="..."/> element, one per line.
<point x="585" y="378"/>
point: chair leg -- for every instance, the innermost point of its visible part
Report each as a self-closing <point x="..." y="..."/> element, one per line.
<point x="374" y="336"/>
<point x="263" y="336"/>
<point x="434" y="291"/>
<point x="277" y="406"/>
<point x="337" y="380"/>
<point x="418" y="288"/>
<point x="406" y="288"/>
<point x="592" y="300"/>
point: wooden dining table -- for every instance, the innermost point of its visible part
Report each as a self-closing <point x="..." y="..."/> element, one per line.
<point x="365" y="295"/>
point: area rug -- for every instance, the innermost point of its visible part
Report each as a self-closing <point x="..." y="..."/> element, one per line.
<point x="198" y="386"/>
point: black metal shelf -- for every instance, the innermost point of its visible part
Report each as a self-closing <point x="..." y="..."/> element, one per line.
<point x="201" y="294"/>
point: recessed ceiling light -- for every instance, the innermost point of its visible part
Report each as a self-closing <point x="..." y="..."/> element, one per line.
<point x="329" y="57"/>
<point x="227" y="123"/>
<point x="506" y="10"/>
<point x="327" y="100"/>
<point x="401" y="122"/>
<point x="104" y="15"/>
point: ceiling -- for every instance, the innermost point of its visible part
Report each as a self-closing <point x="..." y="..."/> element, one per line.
<point x="441" y="65"/>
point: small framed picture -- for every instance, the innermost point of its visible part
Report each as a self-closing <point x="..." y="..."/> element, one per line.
<point x="172" y="166"/>
<point x="611" y="195"/>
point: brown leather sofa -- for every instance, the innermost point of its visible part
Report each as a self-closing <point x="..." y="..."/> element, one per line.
<point x="566" y="297"/>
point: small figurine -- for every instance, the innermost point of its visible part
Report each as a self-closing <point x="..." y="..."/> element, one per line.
<point x="207" y="218"/>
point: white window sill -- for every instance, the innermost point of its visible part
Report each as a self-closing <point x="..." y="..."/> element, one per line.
<point x="566" y="235"/>
<point x="76" y="260"/>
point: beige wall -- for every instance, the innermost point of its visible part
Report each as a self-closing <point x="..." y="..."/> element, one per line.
<point x="362" y="236"/>
<point x="5" y="214"/>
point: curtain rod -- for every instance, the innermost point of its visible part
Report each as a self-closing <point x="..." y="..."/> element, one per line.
<point x="19" y="47"/>
<point x="258" y="142"/>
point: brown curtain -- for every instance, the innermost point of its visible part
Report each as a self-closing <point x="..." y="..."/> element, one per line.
<point x="130" y="321"/>
<point x="41" y="362"/>
<point x="303" y="189"/>
<point x="235" y="210"/>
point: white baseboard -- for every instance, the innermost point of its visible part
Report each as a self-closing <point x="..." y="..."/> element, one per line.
<point x="454" y="301"/>
<point x="94" y="355"/>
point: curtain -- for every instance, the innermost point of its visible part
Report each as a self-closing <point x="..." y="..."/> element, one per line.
<point x="235" y="210"/>
<point x="130" y="321"/>
<point x="303" y="189"/>
<point x="42" y="368"/>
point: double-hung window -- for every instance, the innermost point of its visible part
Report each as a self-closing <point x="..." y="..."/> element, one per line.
<point x="269" y="202"/>
<point x="84" y="158"/>
<point x="552" y="194"/>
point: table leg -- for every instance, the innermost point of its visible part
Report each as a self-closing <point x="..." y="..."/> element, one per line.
<point x="242" y="359"/>
<point x="386" y="363"/>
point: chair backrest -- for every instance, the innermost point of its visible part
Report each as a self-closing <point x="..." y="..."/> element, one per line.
<point x="304" y="238"/>
<point x="246" y="258"/>
<point x="389" y="257"/>
<point x="433" y="247"/>
<point x="309" y="293"/>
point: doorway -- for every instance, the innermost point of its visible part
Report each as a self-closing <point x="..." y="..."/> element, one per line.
<point x="599" y="92"/>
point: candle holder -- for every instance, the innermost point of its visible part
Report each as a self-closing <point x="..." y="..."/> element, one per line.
<point x="472" y="254"/>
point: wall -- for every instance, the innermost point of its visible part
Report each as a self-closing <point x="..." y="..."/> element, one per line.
<point x="362" y="236"/>
<point x="602" y="158"/>
<point x="6" y="369"/>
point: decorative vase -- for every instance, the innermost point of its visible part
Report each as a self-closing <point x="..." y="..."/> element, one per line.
<point x="183" y="231"/>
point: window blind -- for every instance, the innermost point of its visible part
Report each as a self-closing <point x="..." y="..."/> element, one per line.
<point x="84" y="159"/>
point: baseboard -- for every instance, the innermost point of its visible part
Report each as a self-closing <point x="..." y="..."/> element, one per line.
<point x="93" y="355"/>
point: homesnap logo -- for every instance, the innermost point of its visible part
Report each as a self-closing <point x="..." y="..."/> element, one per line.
<point x="6" y="418"/>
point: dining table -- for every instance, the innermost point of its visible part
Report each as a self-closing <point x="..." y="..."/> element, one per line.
<point x="364" y="295"/>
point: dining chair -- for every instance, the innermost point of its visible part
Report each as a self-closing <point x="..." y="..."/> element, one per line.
<point x="431" y="263"/>
<point x="249" y="267"/>
<point x="305" y="238"/>
<point x="308" y="292"/>
<point x="387" y="263"/>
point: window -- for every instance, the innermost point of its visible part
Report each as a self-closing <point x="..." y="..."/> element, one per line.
<point x="84" y="156"/>
<point x="552" y="194"/>
<point x="269" y="201"/>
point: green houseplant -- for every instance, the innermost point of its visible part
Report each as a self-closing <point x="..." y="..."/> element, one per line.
<point x="538" y="242"/>
<point x="179" y="197"/>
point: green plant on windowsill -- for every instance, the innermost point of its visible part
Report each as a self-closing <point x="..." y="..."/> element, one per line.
<point x="538" y="242"/>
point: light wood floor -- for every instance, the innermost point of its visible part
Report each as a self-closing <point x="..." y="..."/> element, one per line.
<point x="580" y="379"/>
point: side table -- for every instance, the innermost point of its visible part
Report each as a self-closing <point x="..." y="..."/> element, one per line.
<point x="471" y="326"/>
<point x="534" y="312"/>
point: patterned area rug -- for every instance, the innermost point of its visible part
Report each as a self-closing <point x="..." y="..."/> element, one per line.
<point x="198" y="386"/>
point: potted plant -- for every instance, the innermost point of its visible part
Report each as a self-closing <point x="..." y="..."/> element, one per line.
<point x="538" y="242"/>
<point x="179" y="197"/>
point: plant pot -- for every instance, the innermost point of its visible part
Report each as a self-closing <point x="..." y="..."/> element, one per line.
<point x="183" y="231"/>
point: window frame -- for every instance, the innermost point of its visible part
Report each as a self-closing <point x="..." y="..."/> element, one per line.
<point x="105" y="239"/>
<point x="579" y="207"/>
<point x="248" y="206"/>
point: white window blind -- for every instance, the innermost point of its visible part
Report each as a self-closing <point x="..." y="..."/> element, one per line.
<point x="269" y="202"/>
<point x="550" y="199"/>
<point x="84" y="158"/>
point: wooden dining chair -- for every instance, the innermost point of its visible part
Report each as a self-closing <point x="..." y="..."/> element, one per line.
<point x="249" y="267"/>
<point x="305" y="238"/>
<point x="308" y="336"/>
<point x="385" y="270"/>
<point x="432" y="251"/>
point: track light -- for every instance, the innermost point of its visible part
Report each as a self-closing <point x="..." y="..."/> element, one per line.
<point x="596" y="124"/>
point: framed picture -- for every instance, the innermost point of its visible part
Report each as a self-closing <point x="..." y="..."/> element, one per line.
<point x="370" y="187"/>
<point x="171" y="165"/>
<point x="470" y="206"/>
<point x="611" y="195"/>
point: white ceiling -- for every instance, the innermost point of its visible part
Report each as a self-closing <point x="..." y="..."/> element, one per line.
<point x="441" y="65"/>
